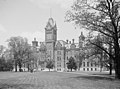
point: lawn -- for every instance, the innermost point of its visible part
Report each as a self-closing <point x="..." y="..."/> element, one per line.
<point x="55" y="80"/>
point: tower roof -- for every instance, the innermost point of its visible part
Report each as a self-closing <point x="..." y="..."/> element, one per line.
<point x="82" y="37"/>
<point x="51" y="23"/>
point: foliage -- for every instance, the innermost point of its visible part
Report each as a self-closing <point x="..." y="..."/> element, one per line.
<point x="80" y="57"/>
<point x="19" y="47"/>
<point x="50" y="64"/>
<point x="71" y="64"/>
<point x="103" y="17"/>
<point x="6" y="62"/>
<point x="6" y="65"/>
<point x="2" y="49"/>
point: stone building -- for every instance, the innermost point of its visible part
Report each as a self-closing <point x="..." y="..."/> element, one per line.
<point x="60" y="51"/>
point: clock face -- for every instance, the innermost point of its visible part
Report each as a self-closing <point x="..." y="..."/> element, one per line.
<point x="49" y="36"/>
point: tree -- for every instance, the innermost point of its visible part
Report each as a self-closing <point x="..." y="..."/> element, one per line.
<point x="71" y="64"/>
<point x="102" y="16"/>
<point x="2" y="59"/>
<point x="2" y="49"/>
<point x="28" y="57"/>
<point x="6" y="62"/>
<point x="50" y="64"/>
<point x="98" y="52"/>
<point x="103" y="59"/>
<point x="2" y="63"/>
<point x="80" y="57"/>
<point x="18" y="46"/>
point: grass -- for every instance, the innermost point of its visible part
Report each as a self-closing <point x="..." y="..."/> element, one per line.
<point x="55" y="80"/>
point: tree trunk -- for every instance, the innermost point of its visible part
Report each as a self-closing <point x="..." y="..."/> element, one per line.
<point x="117" y="58"/>
<point x="110" y="59"/>
<point x="15" y="65"/>
<point x="117" y="69"/>
<point x="28" y="66"/>
<point x="110" y="72"/>
<point x="100" y="68"/>
<point x="101" y="64"/>
<point x="71" y="69"/>
<point x="20" y="66"/>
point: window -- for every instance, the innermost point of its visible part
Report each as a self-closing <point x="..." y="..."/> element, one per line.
<point x="58" y="58"/>
<point x="58" y="69"/>
<point x="95" y="69"/>
<point x="83" y="69"/>
<point x="91" y="64"/>
<point x="58" y="64"/>
<point x="83" y="64"/>
<point x="87" y="64"/>
<point x="95" y="64"/>
<point x="87" y="69"/>
<point x="91" y="69"/>
<point x="67" y="58"/>
<point x="58" y="52"/>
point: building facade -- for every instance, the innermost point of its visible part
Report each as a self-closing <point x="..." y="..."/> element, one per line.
<point x="60" y="51"/>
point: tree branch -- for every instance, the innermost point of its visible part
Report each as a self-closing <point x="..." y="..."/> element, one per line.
<point x="102" y="49"/>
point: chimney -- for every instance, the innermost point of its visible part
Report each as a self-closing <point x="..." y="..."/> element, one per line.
<point x="35" y="43"/>
<point x="67" y="41"/>
<point x="40" y="43"/>
<point x="81" y="33"/>
<point x="34" y="39"/>
<point x="73" y="41"/>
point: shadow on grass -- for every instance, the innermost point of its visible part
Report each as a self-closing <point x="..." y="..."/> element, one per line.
<point x="94" y="78"/>
<point x="18" y="86"/>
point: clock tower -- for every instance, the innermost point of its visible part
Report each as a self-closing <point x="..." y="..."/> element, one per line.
<point x="50" y="38"/>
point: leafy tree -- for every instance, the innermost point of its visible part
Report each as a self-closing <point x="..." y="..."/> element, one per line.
<point x="2" y="49"/>
<point x="2" y="60"/>
<point x="6" y="62"/>
<point x="50" y="64"/>
<point x="2" y="64"/>
<point x="80" y="57"/>
<point x="98" y="52"/>
<point x="71" y="64"/>
<point x="103" y="59"/>
<point x="103" y="17"/>
<point x="18" y="46"/>
<point x="9" y="65"/>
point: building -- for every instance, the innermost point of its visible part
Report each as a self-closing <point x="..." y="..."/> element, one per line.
<point x="60" y="51"/>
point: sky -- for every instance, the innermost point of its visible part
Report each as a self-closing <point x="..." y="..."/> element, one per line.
<point x="28" y="18"/>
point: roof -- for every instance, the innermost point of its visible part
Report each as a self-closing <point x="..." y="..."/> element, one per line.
<point x="82" y="37"/>
<point x="68" y="46"/>
<point x="60" y="43"/>
<point x="51" y="23"/>
<point x="42" y="46"/>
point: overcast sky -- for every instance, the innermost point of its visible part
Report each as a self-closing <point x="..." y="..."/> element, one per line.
<point x="28" y="18"/>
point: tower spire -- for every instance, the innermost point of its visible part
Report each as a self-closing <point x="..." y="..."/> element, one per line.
<point x="50" y="12"/>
